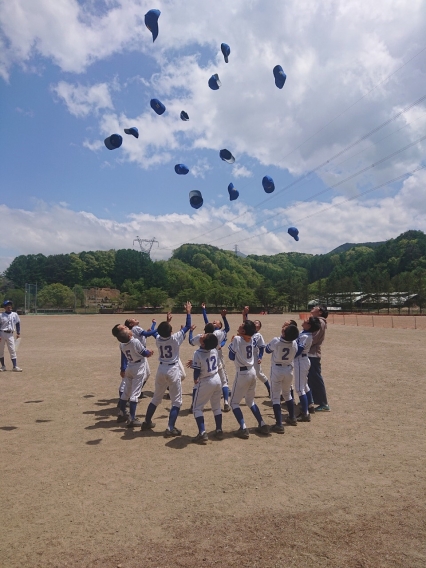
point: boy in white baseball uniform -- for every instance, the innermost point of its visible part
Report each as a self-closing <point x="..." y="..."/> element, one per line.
<point x="134" y="353"/>
<point x="9" y="322"/>
<point x="283" y="350"/>
<point x="168" y="373"/>
<point x="302" y="365"/>
<point x="241" y="351"/>
<point x="141" y="334"/>
<point x="208" y="386"/>
<point x="259" y="349"/>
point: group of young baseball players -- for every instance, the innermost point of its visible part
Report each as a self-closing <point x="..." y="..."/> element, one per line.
<point x="289" y="372"/>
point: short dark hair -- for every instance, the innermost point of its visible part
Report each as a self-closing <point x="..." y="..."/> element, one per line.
<point x="210" y="341"/>
<point x="122" y="336"/>
<point x="115" y="330"/>
<point x="259" y="322"/>
<point x="324" y="311"/>
<point x="164" y="329"/>
<point x="209" y="328"/>
<point x="314" y="323"/>
<point x="292" y="322"/>
<point x="249" y="328"/>
<point x="128" y="324"/>
<point x="291" y="333"/>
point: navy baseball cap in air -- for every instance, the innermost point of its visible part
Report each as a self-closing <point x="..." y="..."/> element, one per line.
<point x="7" y="303"/>
<point x="151" y="22"/>
<point x="195" y="199"/>
<point x="133" y="131"/>
<point x="226" y="50"/>
<point x="181" y="169"/>
<point x="157" y="106"/>
<point x="268" y="184"/>
<point x="280" y="76"/>
<point x="233" y="193"/>
<point x="214" y="82"/>
<point x="184" y="115"/>
<point x="114" y="141"/>
<point x="294" y="232"/>
<point x="226" y="156"/>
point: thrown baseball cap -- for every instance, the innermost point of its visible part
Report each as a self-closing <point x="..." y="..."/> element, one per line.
<point x="151" y="22"/>
<point x="181" y="169"/>
<point x="268" y="184"/>
<point x="195" y="199"/>
<point x="133" y="131"/>
<point x="184" y="115"/>
<point x="114" y="141"/>
<point x="7" y="303"/>
<point x="233" y="193"/>
<point x="280" y="76"/>
<point x="214" y="82"/>
<point x="226" y="156"/>
<point x="226" y="50"/>
<point x="157" y="106"/>
<point x="294" y="232"/>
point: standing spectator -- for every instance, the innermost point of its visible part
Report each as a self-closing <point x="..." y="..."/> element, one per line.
<point x="315" y="380"/>
<point x="9" y="321"/>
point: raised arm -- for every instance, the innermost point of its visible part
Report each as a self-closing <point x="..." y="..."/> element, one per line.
<point x="245" y="313"/>
<point x="225" y="321"/>
<point x="206" y="319"/>
<point x="188" y="307"/>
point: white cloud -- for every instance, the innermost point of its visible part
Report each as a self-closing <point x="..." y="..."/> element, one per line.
<point x="82" y="100"/>
<point x="200" y="168"/>
<point x="241" y="171"/>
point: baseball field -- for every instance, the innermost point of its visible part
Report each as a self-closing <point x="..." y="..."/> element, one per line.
<point x="77" y="489"/>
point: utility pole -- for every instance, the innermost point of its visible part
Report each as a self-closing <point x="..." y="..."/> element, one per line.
<point x="146" y="248"/>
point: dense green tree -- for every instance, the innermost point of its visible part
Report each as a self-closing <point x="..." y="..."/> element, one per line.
<point x="55" y="296"/>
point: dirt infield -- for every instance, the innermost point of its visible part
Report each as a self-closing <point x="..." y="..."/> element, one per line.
<point x="77" y="489"/>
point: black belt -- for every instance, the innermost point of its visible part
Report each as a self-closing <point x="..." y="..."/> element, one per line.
<point x="168" y="364"/>
<point x="243" y="368"/>
<point x="6" y="331"/>
<point x="304" y="354"/>
<point x="138" y="361"/>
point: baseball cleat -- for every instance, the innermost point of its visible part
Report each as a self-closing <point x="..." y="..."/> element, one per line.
<point x="291" y="421"/>
<point x="242" y="433"/>
<point x="322" y="408"/>
<point x="133" y="423"/>
<point x="226" y="407"/>
<point x="2" y="368"/>
<point x="218" y="434"/>
<point x="263" y="430"/>
<point x="16" y="369"/>
<point x="304" y="418"/>
<point x="201" y="438"/>
<point x="147" y="425"/>
<point x="311" y="409"/>
<point x="172" y="433"/>
<point x="277" y="428"/>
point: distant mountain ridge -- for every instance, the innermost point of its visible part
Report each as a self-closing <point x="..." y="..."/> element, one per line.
<point x="348" y="246"/>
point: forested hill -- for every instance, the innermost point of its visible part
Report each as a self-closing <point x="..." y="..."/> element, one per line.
<point x="207" y="273"/>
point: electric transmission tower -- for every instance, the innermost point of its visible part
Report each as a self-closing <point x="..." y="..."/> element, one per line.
<point x="146" y="244"/>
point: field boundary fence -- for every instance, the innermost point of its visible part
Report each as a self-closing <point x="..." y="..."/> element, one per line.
<point x="391" y="321"/>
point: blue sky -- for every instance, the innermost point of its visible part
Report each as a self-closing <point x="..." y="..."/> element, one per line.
<point x="71" y="73"/>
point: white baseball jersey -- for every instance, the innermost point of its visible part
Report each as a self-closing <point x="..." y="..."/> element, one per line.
<point x="283" y="351"/>
<point x="220" y="334"/>
<point x="305" y="339"/>
<point x="243" y="351"/>
<point x="133" y="351"/>
<point x="168" y="349"/>
<point x="206" y="361"/>
<point x="137" y="330"/>
<point x="258" y="342"/>
<point x="8" y="321"/>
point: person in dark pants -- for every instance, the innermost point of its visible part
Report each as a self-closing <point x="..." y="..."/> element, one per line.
<point x="315" y="380"/>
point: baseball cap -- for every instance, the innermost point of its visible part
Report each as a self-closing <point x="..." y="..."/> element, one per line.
<point x="214" y="82"/>
<point x="7" y="303"/>
<point x="151" y="22"/>
<point x="195" y="199"/>
<point x="114" y="141"/>
<point x="233" y="193"/>
<point x="294" y="232"/>
<point x="181" y="169"/>
<point x="268" y="184"/>
<point x="226" y="156"/>
<point x="280" y="76"/>
<point x="157" y="106"/>
<point x="184" y="115"/>
<point x="226" y="50"/>
<point x="133" y="131"/>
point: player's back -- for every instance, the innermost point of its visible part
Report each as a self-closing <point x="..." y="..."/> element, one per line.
<point x="168" y="348"/>
<point x="206" y="360"/>
<point x="133" y="351"/>
<point x="305" y="340"/>
<point x="283" y="352"/>
<point x="243" y="351"/>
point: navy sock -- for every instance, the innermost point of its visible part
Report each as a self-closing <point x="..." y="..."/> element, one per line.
<point x="292" y="393"/>
<point x="194" y="390"/>
<point x="133" y="406"/>
<point x="2" y="361"/>
<point x="200" y="422"/>
<point x="256" y="412"/>
<point x="290" y="408"/>
<point x="239" y="416"/>
<point x="225" y="392"/>
<point x="173" y="416"/>
<point x="122" y="405"/>
<point x="268" y="386"/>
<point x="218" y="420"/>
<point x="277" y="413"/>
<point x="304" y="403"/>
<point x="310" y="397"/>
<point x="14" y="362"/>
<point x="150" y="412"/>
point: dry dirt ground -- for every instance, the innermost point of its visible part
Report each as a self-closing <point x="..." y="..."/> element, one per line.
<point x="77" y="489"/>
